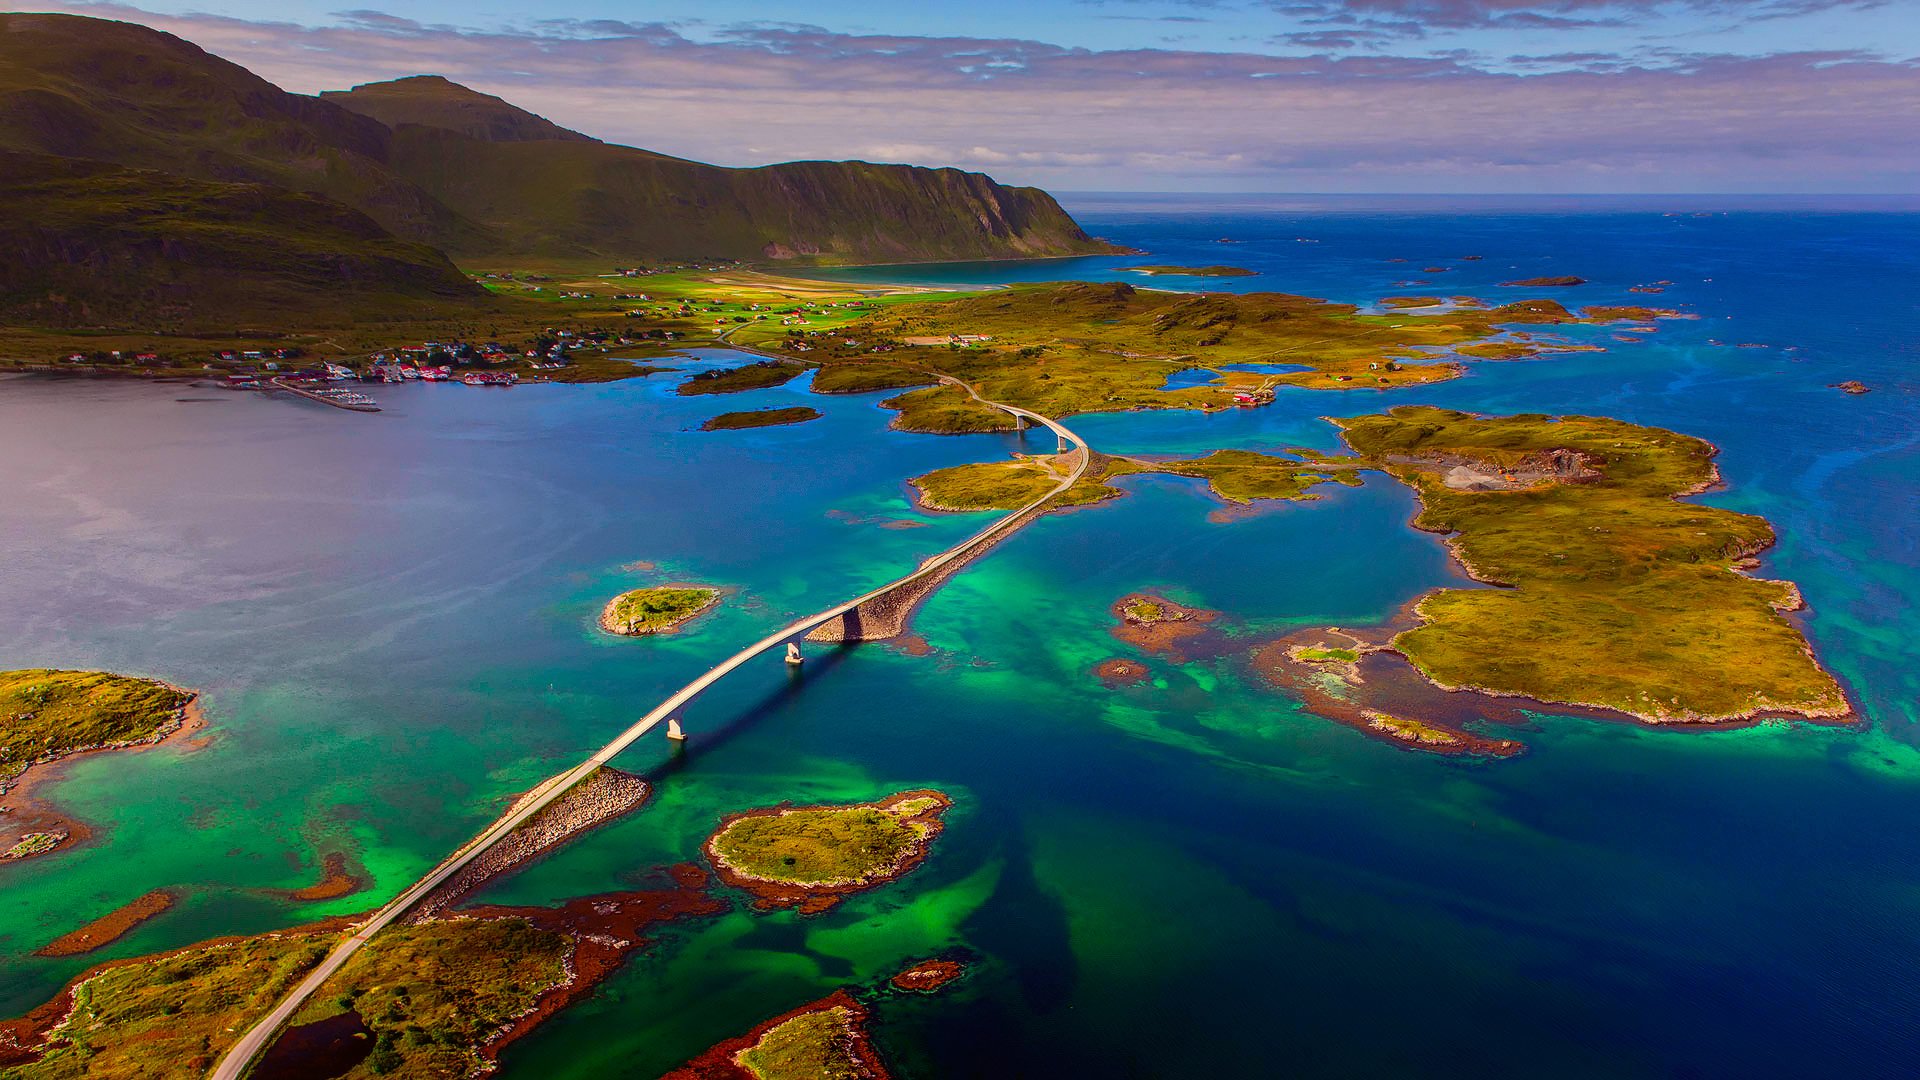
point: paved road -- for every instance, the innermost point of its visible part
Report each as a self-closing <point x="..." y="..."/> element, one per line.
<point x="234" y="1065"/>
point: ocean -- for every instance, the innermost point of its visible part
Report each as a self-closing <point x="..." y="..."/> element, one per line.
<point x="391" y="618"/>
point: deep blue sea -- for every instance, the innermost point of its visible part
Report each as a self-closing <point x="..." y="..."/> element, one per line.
<point x="392" y="619"/>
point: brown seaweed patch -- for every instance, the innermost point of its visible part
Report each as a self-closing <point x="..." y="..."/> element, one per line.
<point x="336" y="881"/>
<point x="1118" y="671"/>
<point x="110" y="927"/>
<point x="928" y="976"/>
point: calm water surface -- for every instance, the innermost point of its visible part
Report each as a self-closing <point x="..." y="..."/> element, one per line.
<point x="392" y="619"/>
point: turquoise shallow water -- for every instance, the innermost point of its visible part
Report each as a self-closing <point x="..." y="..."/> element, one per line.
<point x="392" y="618"/>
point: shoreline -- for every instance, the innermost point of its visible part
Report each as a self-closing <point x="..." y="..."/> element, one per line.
<point x="32" y="812"/>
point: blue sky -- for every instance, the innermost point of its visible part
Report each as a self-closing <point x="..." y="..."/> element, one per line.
<point x="1225" y="95"/>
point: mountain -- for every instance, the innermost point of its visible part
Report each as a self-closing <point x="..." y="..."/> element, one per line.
<point x="111" y="91"/>
<point x="540" y="189"/>
<point x="195" y="189"/>
<point x="91" y="243"/>
<point x="433" y="101"/>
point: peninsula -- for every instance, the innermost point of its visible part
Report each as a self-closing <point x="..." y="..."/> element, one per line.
<point x="49" y="715"/>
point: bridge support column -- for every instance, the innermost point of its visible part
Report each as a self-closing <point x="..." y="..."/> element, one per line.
<point x="1060" y="445"/>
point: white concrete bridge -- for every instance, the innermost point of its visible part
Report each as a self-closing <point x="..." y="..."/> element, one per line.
<point x="865" y="617"/>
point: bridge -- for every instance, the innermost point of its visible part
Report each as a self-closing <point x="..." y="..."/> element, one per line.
<point x="874" y="615"/>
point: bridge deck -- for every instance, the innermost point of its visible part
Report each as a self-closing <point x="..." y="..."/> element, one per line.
<point x="913" y="587"/>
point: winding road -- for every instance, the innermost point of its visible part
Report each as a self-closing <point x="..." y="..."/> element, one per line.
<point x="235" y="1063"/>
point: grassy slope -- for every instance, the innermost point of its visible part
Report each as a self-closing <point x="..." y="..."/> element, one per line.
<point x="174" y="1015"/>
<point x="433" y="101"/>
<point x="432" y="994"/>
<point x="567" y="197"/>
<point x="1624" y="597"/>
<point x="124" y="93"/>
<point x="90" y="244"/>
<point x="44" y="711"/>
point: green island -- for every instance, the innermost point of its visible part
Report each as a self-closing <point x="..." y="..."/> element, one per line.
<point x="1325" y="654"/>
<point x="758" y="418"/>
<point x="1191" y="271"/>
<point x="996" y="485"/>
<point x="1238" y="476"/>
<point x="656" y="609"/>
<point x="1062" y="349"/>
<point x="1416" y="732"/>
<point x="756" y="376"/>
<point x="1620" y="594"/>
<point x="822" y="1043"/>
<point x="812" y="856"/>
<point x="47" y="714"/>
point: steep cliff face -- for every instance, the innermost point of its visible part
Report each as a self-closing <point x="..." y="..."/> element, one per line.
<point x="96" y="244"/>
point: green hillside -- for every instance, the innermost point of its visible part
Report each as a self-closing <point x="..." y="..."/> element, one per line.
<point x="196" y="194"/>
<point x="562" y="194"/>
<point x="93" y="244"/>
<point x="435" y="102"/>
<point x="119" y="92"/>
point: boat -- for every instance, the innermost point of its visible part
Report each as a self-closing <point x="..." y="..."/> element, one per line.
<point x="489" y="378"/>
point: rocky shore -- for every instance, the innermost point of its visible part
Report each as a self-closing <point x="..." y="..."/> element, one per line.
<point x="593" y="802"/>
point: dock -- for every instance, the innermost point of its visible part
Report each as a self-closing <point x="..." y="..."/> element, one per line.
<point x="338" y="398"/>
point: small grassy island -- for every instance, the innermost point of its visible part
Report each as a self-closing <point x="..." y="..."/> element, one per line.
<point x="1622" y="596"/>
<point x="657" y="609"/>
<point x="996" y="485"/>
<point x="813" y="856"/>
<point x="1191" y="271"/>
<point x="759" y="418"/>
<point x="822" y="1040"/>
<point x="47" y="715"/>
<point x="1155" y="624"/>
<point x="757" y="376"/>
<point x="1238" y="476"/>
<point x="1564" y="281"/>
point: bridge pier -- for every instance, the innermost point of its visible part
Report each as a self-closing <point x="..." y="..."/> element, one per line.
<point x="1060" y="444"/>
